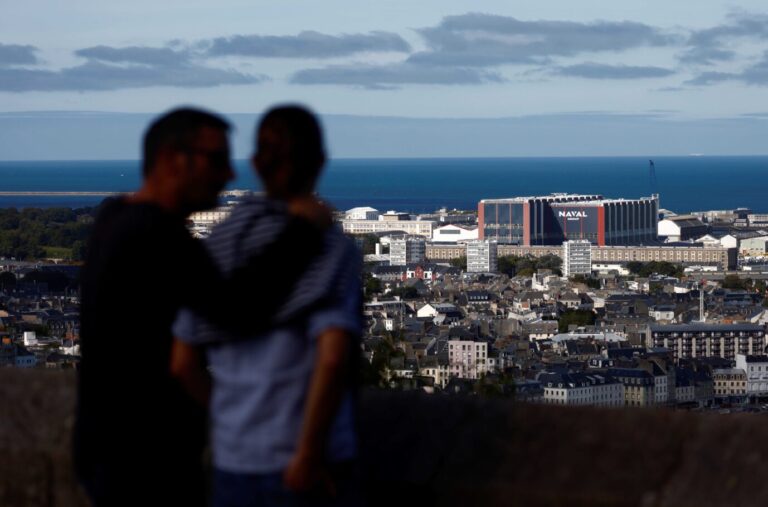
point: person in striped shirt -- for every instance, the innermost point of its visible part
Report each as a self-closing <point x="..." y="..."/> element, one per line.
<point x="281" y="402"/>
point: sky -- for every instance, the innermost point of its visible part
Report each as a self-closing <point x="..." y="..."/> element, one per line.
<point x="393" y="78"/>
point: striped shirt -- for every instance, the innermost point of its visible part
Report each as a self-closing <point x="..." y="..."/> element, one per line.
<point x="260" y="383"/>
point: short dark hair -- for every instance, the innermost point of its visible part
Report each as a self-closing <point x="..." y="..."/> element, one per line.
<point x="305" y="139"/>
<point x="177" y="130"/>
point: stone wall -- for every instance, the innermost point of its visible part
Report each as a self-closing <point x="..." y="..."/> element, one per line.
<point x="450" y="451"/>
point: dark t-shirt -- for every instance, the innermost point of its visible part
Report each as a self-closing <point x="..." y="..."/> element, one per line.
<point x="141" y="266"/>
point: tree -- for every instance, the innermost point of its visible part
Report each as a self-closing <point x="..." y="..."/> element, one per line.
<point x="733" y="282"/>
<point x="577" y="317"/>
<point x="405" y="292"/>
<point x="460" y="262"/>
<point x="7" y="280"/>
<point x="507" y="265"/>
<point x="646" y="269"/>
<point x="549" y="261"/>
<point x="371" y="284"/>
<point x="590" y="282"/>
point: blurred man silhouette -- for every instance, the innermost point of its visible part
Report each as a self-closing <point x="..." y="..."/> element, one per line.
<point x="281" y="409"/>
<point x="138" y="435"/>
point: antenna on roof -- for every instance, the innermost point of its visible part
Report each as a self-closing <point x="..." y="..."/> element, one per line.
<point x="652" y="175"/>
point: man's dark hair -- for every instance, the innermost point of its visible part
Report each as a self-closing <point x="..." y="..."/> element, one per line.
<point x="304" y="137"/>
<point x="177" y="130"/>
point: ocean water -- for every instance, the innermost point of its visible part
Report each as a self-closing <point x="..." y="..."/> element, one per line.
<point x="423" y="185"/>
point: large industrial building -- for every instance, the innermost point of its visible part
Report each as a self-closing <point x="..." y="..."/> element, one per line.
<point x="550" y="220"/>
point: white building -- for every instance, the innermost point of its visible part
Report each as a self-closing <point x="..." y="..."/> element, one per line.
<point x="416" y="227"/>
<point x="577" y="257"/>
<point x="467" y="359"/>
<point x="582" y="389"/>
<point x="681" y="228"/>
<point x="757" y="373"/>
<point x="394" y="216"/>
<point x="407" y="250"/>
<point x="660" y="388"/>
<point x="201" y="222"/>
<point x="362" y="213"/>
<point x="438" y="371"/>
<point x="454" y="233"/>
<point x="662" y="312"/>
<point x="444" y="313"/>
<point x="758" y="219"/>
<point x="30" y="338"/>
<point x="482" y="256"/>
<point x="754" y="246"/>
<point x="211" y="217"/>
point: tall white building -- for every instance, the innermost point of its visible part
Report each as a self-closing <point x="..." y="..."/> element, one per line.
<point x="467" y="359"/>
<point x="482" y="256"/>
<point x="577" y="257"/>
<point x="407" y="250"/>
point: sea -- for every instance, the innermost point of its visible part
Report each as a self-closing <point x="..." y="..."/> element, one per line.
<point x="684" y="184"/>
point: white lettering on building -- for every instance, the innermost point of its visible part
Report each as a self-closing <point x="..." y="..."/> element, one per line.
<point x="572" y="215"/>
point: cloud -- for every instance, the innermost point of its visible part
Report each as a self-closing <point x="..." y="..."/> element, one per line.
<point x="388" y="76"/>
<point x="114" y="68"/>
<point x="134" y="54"/>
<point x="708" y="78"/>
<point x="592" y="70"/>
<point x="15" y="54"/>
<point x="756" y="75"/>
<point x="706" y="55"/>
<point x="475" y="39"/>
<point x="96" y="76"/>
<point x="307" y="44"/>
<point x="709" y="46"/>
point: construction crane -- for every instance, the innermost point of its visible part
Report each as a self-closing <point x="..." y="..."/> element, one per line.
<point x="652" y="176"/>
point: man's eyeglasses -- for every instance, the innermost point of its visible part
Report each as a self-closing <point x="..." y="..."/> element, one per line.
<point x="215" y="157"/>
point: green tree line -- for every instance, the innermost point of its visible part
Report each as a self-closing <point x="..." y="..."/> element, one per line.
<point x="34" y="233"/>
<point x="512" y="265"/>
<point x="646" y="269"/>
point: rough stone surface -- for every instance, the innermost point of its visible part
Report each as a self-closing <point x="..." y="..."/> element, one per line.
<point x="449" y="451"/>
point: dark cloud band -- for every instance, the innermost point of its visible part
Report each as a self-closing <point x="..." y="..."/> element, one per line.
<point x="602" y="71"/>
<point x="388" y="76"/>
<point x="15" y="54"/>
<point x="307" y="44"/>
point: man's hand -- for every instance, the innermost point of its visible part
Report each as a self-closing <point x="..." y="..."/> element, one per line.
<point x="312" y="210"/>
<point x="306" y="473"/>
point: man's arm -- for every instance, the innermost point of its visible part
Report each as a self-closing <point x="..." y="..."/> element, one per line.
<point x="188" y="367"/>
<point x="326" y="389"/>
<point x="219" y="299"/>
